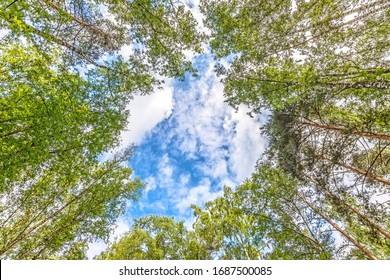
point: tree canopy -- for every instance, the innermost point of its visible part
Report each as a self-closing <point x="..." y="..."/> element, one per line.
<point x="70" y="68"/>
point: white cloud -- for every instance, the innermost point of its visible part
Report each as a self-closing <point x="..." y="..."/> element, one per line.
<point x="196" y="195"/>
<point x="126" y="51"/>
<point x="150" y="184"/>
<point x="165" y="177"/>
<point x="223" y="144"/>
<point x="145" y="113"/>
<point x="247" y="144"/>
<point x="207" y="127"/>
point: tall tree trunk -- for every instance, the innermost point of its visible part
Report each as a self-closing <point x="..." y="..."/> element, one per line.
<point x="373" y="135"/>
<point x="361" y="216"/>
<point x="359" y="171"/>
<point x="80" y="21"/>
<point x="340" y="230"/>
<point x="359" y="85"/>
<point x="55" y="40"/>
<point x="350" y="207"/>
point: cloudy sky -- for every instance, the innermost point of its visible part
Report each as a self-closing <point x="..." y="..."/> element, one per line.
<point x="190" y="145"/>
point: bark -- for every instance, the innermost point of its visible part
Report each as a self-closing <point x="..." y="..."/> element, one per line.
<point x="362" y="216"/>
<point x="373" y="135"/>
<point x="360" y="171"/>
<point x="80" y="21"/>
<point x="352" y="208"/>
<point x="60" y="42"/>
<point x="66" y="45"/>
<point x="340" y="230"/>
<point x="360" y="85"/>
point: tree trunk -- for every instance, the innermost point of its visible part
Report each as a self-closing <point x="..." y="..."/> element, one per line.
<point x="361" y="216"/>
<point x="80" y="21"/>
<point x="359" y="85"/>
<point x="58" y="41"/>
<point x="373" y="135"/>
<point x="359" y="171"/>
<point x="336" y="227"/>
<point x="350" y="207"/>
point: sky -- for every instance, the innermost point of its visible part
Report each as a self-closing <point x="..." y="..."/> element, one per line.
<point x="190" y="144"/>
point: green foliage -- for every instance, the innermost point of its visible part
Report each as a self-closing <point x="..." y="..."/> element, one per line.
<point x="155" y="238"/>
<point x="64" y="93"/>
<point x="320" y="67"/>
<point x="228" y="232"/>
<point x="73" y="200"/>
<point x="48" y="113"/>
<point x="286" y="53"/>
<point x="160" y="30"/>
<point x="262" y="219"/>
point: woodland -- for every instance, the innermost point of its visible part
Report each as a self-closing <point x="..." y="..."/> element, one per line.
<point x="321" y="190"/>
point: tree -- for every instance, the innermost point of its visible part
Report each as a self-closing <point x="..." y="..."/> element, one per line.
<point x="67" y="203"/>
<point x="160" y="30"/>
<point x="288" y="51"/>
<point x="48" y="113"/>
<point x="321" y="159"/>
<point x="321" y="68"/>
<point x="226" y="231"/>
<point x="48" y="105"/>
<point x="155" y="238"/>
<point x="262" y="220"/>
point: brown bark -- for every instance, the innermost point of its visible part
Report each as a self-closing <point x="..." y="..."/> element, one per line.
<point x="373" y="135"/>
<point x="62" y="43"/>
<point x="362" y="216"/>
<point x="359" y="171"/>
<point x="340" y="230"/>
<point x="350" y="207"/>
<point x="80" y="21"/>
<point x="67" y="45"/>
<point x="359" y="85"/>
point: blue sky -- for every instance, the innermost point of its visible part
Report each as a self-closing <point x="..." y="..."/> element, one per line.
<point x="198" y="147"/>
